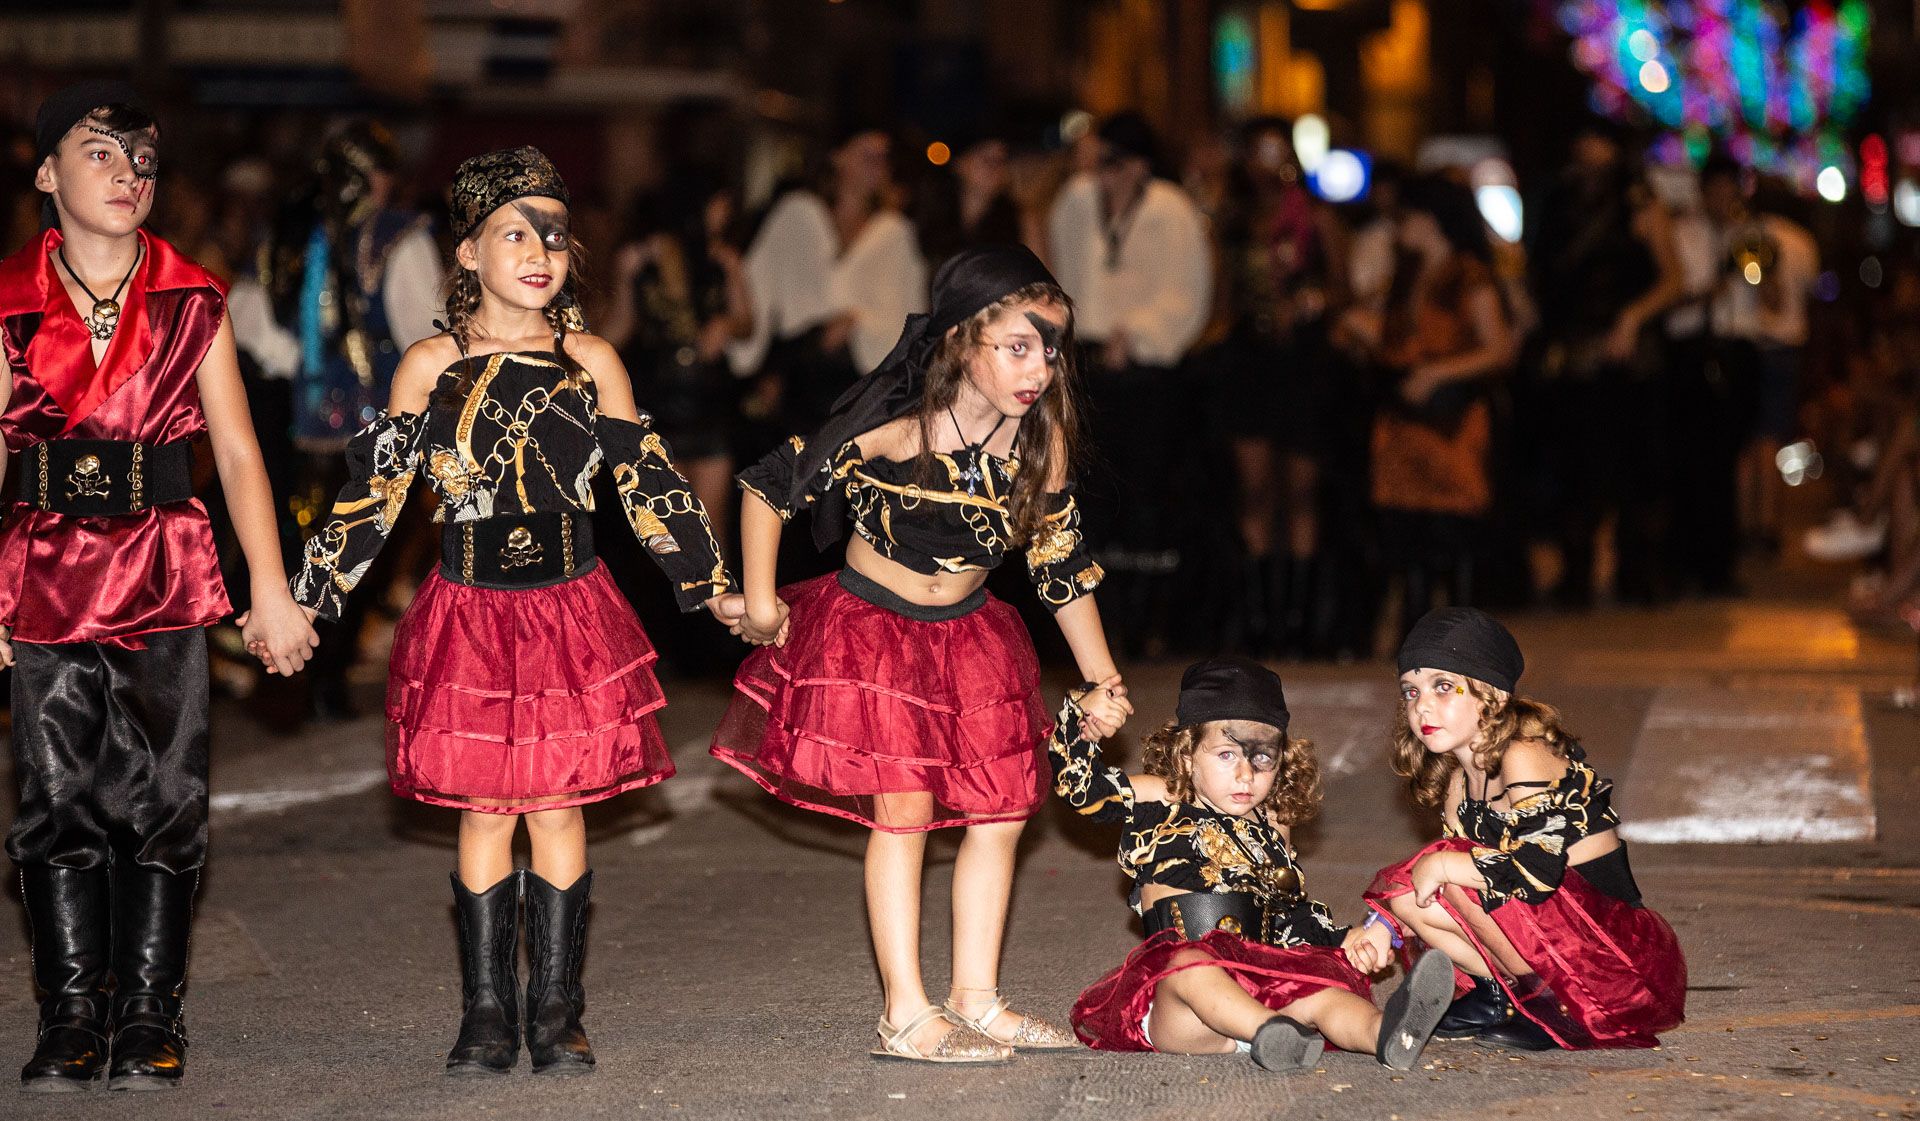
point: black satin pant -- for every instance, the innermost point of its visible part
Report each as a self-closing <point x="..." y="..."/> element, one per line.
<point x="110" y="752"/>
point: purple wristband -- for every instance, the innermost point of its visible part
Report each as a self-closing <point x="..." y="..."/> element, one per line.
<point x="1373" y="917"/>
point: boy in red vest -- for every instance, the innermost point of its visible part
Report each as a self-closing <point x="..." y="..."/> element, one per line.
<point x="117" y="355"/>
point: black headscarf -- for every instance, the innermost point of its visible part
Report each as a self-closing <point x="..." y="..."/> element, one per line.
<point x="969" y="282"/>
<point x="1467" y="641"/>
<point x="1230" y="688"/>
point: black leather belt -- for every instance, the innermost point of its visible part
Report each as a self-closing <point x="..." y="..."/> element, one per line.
<point x="104" y="478"/>
<point x="1199" y="913"/>
<point x="517" y="550"/>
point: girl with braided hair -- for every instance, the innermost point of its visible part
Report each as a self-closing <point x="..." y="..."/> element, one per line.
<point x="521" y="684"/>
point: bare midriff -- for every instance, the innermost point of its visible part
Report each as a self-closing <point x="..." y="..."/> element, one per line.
<point x="939" y="590"/>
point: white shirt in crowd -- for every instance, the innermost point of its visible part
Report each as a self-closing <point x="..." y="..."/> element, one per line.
<point x="1150" y="275"/>
<point x="800" y="277"/>
<point x="1740" y="309"/>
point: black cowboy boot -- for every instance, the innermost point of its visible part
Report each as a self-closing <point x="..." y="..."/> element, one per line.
<point x="1407" y="1022"/>
<point x="152" y="918"/>
<point x="1484" y="1007"/>
<point x="70" y="925"/>
<point x="556" y="942"/>
<point x="489" y="1041"/>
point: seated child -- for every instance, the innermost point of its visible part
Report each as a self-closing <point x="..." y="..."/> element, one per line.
<point x="1529" y="890"/>
<point x="1237" y="956"/>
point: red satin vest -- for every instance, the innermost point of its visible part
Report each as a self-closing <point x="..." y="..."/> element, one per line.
<point x="96" y="579"/>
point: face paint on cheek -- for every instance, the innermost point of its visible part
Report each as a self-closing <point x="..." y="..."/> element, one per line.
<point x="555" y="231"/>
<point x="1052" y="336"/>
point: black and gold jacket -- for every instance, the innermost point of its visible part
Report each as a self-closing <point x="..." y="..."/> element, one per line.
<point x="1187" y="846"/>
<point x="529" y="437"/>
<point x="1522" y="852"/>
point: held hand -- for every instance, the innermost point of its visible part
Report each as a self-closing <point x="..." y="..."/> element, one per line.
<point x="728" y="608"/>
<point x="1429" y="876"/>
<point x="1105" y="708"/>
<point x="764" y="630"/>
<point x="1369" y="947"/>
<point x="6" y="646"/>
<point x="280" y="633"/>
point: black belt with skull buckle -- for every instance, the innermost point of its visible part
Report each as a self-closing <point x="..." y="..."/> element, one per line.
<point x="104" y="478"/>
<point x="514" y="551"/>
<point x="1196" y="914"/>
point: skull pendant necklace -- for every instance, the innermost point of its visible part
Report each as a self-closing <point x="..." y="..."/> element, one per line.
<point x="105" y="317"/>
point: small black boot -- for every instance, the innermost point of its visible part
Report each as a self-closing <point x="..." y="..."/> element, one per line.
<point x="1483" y="1008"/>
<point x="556" y="943"/>
<point x="1407" y="1022"/>
<point x="489" y="1041"/>
<point x="1518" y="1033"/>
<point x="1534" y="1003"/>
<point x="152" y="918"/>
<point x="70" y="924"/>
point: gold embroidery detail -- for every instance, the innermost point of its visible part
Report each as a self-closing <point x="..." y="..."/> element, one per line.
<point x="136" y="477"/>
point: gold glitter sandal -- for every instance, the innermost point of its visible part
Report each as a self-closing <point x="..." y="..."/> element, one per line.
<point x="960" y="1045"/>
<point x="1033" y="1034"/>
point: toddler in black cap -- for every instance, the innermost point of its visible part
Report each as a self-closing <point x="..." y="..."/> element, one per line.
<point x="1237" y="956"/>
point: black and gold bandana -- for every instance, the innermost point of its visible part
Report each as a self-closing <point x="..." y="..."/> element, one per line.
<point x="486" y="183"/>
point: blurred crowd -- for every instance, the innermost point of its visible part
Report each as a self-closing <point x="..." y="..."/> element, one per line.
<point x="1309" y="422"/>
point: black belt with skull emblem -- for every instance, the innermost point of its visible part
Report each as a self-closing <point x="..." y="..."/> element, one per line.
<point x="104" y="478"/>
<point x="517" y="550"/>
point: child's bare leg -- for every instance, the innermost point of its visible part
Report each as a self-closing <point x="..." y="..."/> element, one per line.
<point x="486" y="848"/>
<point x="1432" y="925"/>
<point x="1348" y="1020"/>
<point x="982" y="888"/>
<point x="1202" y="1010"/>
<point x="1488" y="932"/>
<point x="893" y="867"/>
<point x="559" y="839"/>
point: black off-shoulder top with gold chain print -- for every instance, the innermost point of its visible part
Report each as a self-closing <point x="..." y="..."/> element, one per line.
<point x="1186" y="845"/>
<point x="528" y="438"/>
<point x="958" y="523"/>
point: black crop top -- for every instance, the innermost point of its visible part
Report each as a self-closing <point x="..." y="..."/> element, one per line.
<point x="528" y="438"/>
<point x="1522" y="852"/>
<point x="959" y="526"/>
<point x="1188" y="846"/>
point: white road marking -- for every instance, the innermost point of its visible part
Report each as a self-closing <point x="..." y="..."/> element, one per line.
<point x="1734" y="766"/>
<point x="246" y="803"/>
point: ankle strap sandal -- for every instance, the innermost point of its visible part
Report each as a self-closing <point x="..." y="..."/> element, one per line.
<point x="959" y="1045"/>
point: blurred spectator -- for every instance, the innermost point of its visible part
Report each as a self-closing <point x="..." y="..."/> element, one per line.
<point x="1604" y="269"/>
<point x="1131" y="250"/>
<point x="1443" y="338"/>
<point x="833" y="274"/>
<point x="969" y="201"/>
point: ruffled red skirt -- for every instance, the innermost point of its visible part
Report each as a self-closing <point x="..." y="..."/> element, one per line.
<point x="863" y="701"/>
<point x="1606" y="973"/>
<point x="509" y="701"/>
<point x="1107" y="1016"/>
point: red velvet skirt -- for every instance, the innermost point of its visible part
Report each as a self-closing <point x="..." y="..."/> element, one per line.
<point x="1606" y="973"/>
<point x="508" y="701"/>
<point x="1107" y="1016"/>
<point x="863" y="701"/>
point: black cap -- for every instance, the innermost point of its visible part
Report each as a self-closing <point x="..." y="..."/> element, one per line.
<point x="1231" y="688"/>
<point x="1467" y="641"/>
<point x="68" y="107"/>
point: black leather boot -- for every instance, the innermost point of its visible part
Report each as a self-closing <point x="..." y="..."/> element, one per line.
<point x="1518" y="1033"/>
<point x="1534" y="1003"/>
<point x="68" y="920"/>
<point x="1486" y="1006"/>
<point x="152" y="918"/>
<point x="556" y="943"/>
<point x="489" y="1041"/>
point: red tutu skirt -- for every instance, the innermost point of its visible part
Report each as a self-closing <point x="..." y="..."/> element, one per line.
<point x="508" y="701"/>
<point x="864" y="701"/>
<point x="1107" y="1016"/>
<point x="1606" y="973"/>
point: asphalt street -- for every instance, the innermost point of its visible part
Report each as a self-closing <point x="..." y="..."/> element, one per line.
<point x="729" y="974"/>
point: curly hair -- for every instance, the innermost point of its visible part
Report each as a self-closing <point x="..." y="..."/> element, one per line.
<point x="1505" y="718"/>
<point x="463" y="292"/>
<point x="1049" y="432"/>
<point x="1295" y="796"/>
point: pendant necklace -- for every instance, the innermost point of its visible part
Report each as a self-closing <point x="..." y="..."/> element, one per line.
<point x="972" y="475"/>
<point x="106" y="313"/>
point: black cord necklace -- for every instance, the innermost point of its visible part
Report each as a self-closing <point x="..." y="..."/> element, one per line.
<point x="972" y="474"/>
<point x="106" y="313"/>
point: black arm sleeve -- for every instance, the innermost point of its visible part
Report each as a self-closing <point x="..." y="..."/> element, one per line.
<point x="1100" y="793"/>
<point x="1057" y="559"/>
<point x="382" y="459"/>
<point x="661" y="507"/>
